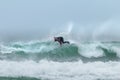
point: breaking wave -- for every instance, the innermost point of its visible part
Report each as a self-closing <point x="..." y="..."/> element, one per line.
<point x="37" y="50"/>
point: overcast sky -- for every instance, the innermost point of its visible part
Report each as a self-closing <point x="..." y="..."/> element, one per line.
<point x="41" y="16"/>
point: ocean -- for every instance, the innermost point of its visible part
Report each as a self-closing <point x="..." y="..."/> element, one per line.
<point x="47" y="60"/>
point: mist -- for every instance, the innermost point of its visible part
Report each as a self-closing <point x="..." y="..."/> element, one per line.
<point x="84" y="20"/>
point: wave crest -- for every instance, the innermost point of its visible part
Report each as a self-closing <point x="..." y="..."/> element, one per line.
<point x="38" y="50"/>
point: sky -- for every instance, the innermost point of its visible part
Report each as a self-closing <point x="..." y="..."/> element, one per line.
<point x="90" y="19"/>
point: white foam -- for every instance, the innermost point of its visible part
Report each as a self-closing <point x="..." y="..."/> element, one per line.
<point x="26" y="47"/>
<point x="61" y="71"/>
<point x="90" y="50"/>
<point x="117" y="50"/>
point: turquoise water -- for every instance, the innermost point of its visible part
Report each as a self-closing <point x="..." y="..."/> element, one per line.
<point x="46" y="60"/>
<point x="52" y="51"/>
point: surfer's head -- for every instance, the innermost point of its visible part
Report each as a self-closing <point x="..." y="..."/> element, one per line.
<point x="55" y="39"/>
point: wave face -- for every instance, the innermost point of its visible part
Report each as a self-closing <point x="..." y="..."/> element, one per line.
<point x="47" y="60"/>
<point x="49" y="50"/>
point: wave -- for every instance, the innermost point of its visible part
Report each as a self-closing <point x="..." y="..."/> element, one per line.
<point x="37" y="50"/>
<point x="50" y="70"/>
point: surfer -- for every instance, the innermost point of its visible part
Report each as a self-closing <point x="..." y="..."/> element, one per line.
<point x="60" y="40"/>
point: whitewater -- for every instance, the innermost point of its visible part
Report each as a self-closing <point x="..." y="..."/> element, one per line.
<point x="47" y="60"/>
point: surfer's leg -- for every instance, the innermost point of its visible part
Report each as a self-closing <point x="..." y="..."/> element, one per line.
<point x="62" y="40"/>
<point x="67" y="42"/>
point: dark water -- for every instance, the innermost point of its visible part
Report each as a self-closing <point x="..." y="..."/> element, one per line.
<point x="18" y="78"/>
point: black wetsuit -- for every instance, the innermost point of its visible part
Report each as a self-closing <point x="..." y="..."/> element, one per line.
<point x="61" y="40"/>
